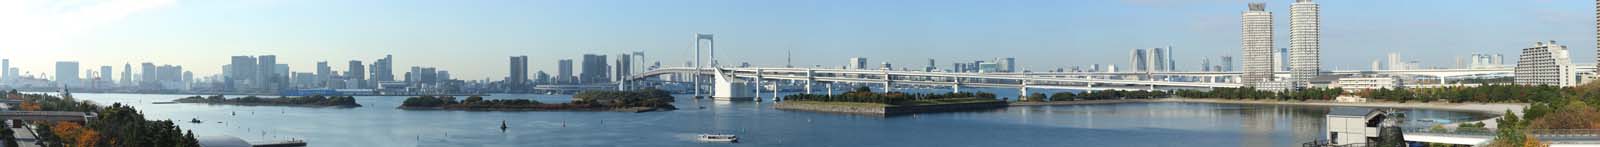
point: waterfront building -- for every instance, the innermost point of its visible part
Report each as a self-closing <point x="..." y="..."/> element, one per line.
<point x="564" y="71"/>
<point x="148" y="78"/>
<point x="382" y="70"/>
<point x="1157" y="60"/>
<point x="1205" y="64"/>
<point x="5" y="74"/>
<point x="518" y="76"/>
<point x="594" y="69"/>
<point x="931" y="66"/>
<point x="1008" y="64"/>
<point x="624" y="67"/>
<point x="1354" y="84"/>
<point x="857" y="63"/>
<point x="1305" y="40"/>
<point x="1256" y="42"/>
<point x="67" y="74"/>
<point x="324" y="74"/>
<point x="127" y="74"/>
<point x="105" y="74"/>
<point x="1354" y="126"/>
<point x="356" y="72"/>
<point x="1227" y="64"/>
<point x="1546" y="63"/>
<point x="1139" y="60"/>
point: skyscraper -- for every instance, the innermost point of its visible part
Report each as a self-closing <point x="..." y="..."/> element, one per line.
<point x="241" y="77"/>
<point x="1280" y="59"/>
<point x="105" y="74"/>
<point x="383" y="69"/>
<point x="1139" y="60"/>
<point x="1305" y="38"/>
<point x="1227" y="64"/>
<point x="1597" y="33"/>
<point x="623" y="67"/>
<point x="594" y="69"/>
<point x="324" y="74"/>
<point x="147" y="74"/>
<point x="127" y="74"/>
<point x="5" y="64"/>
<point x="1158" y="60"/>
<point x="266" y="72"/>
<point x="67" y="74"/>
<point x="518" y="75"/>
<point x="1172" y="65"/>
<point x="564" y="71"/>
<point x="357" y="72"/>
<point x="857" y="63"/>
<point x="1256" y="37"/>
<point x="1009" y="63"/>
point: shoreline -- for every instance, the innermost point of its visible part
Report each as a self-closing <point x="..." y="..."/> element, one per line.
<point x="628" y="109"/>
<point x="888" y="110"/>
<point x="1497" y="109"/>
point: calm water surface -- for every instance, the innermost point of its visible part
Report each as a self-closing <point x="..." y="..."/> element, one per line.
<point x="757" y="124"/>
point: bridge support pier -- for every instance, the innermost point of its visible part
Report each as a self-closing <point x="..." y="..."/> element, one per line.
<point x="1023" y="96"/>
<point x="887" y="81"/>
<point x="830" y="88"/>
<point x="811" y="79"/>
<point x="957" y="87"/>
<point x="758" y="86"/>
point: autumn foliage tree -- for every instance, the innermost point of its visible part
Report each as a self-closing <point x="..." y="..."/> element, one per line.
<point x="75" y="135"/>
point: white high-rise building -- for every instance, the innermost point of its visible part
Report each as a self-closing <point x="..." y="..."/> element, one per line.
<point x="1305" y="59"/>
<point x="858" y="63"/>
<point x="1546" y="63"/>
<point x="1395" y="63"/>
<point x="1256" y="43"/>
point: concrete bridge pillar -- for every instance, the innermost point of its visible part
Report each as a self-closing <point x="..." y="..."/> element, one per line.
<point x="830" y="88"/>
<point x="758" y="85"/>
<point x="957" y="87"/>
<point x="887" y="81"/>
<point x="1023" y="96"/>
<point x="811" y="79"/>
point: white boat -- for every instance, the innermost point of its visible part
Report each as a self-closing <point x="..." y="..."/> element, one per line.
<point x="718" y="138"/>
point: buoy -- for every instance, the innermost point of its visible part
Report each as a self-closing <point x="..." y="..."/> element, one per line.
<point x="503" y="125"/>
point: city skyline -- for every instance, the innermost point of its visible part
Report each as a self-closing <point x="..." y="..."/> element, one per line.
<point x="1043" y="35"/>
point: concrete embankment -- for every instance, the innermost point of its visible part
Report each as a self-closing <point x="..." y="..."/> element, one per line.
<point x="888" y="110"/>
<point x="1489" y="108"/>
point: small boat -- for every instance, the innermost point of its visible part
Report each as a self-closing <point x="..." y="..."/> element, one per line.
<point x="194" y="120"/>
<point x="718" y="138"/>
<point x="163" y="102"/>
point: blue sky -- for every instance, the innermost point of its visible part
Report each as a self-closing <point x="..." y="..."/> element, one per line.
<point x="473" y="38"/>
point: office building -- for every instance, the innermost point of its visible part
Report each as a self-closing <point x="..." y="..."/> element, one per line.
<point x="1205" y="64"/>
<point x="148" y="75"/>
<point x="931" y="66"/>
<point x="564" y="71"/>
<point x="127" y="74"/>
<point x="1139" y="60"/>
<point x="624" y="67"/>
<point x="857" y="63"/>
<point x="1546" y="63"/>
<point x="67" y="74"/>
<point x="593" y="69"/>
<point x="5" y="64"/>
<point x="381" y="71"/>
<point x="1157" y="60"/>
<point x="357" y="72"/>
<point x="1305" y="40"/>
<point x="1227" y="64"/>
<point x="105" y="74"/>
<point x="1256" y="43"/>
<point x="321" y="78"/>
<point x="518" y="74"/>
<point x="1008" y="64"/>
<point x="241" y="74"/>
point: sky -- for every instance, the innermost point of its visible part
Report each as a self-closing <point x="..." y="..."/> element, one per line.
<point x="473" y="39"/>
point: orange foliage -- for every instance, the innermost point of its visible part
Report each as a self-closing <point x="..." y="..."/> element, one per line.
<point x="30" y="106"/>
<point x="76" y="135"/>
<point x="1530" y="141"/>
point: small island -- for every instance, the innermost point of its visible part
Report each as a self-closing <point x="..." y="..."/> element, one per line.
<point x="645" y="100"/>
<point x="305" y="101"/>
<point x="864" y="101"/>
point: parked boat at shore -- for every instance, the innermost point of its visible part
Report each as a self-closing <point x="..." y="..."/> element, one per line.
<point x="718" y="138"/>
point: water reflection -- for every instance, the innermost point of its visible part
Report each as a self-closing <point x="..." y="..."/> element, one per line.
<point x="1134" y="124"/>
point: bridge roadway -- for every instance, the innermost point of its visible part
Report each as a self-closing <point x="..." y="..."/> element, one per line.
<point x="936" y="78"/>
